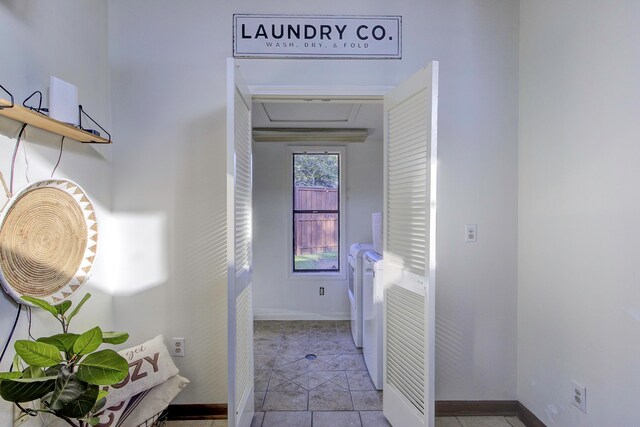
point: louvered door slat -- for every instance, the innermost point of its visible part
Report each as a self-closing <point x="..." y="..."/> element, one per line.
<point x="405" y="345"/>
<point x="242" y="186"/>
<point x="244" y="343"/>
<point x="412" y="139"/>
<point x="407" y="173"/>
<point x="412" y="146"/>
<point x="408" y="249"/>
<point x="240" y="314"/>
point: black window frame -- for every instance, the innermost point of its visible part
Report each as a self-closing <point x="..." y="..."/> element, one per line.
<point x="295" y="211"/>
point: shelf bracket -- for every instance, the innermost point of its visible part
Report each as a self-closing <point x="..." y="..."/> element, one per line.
<point x="2" y="107"/>
<point x="39" y="109"/>
<point x="82" y="112"/>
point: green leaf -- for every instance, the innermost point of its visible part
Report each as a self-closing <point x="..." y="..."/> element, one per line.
<point x="38" y="353"/>
<point x="10" y="375"/>
<point x="62" y="308"/>
<point x="33" y="372"/>
<point x="47" y="397"/>
<point x="79" y="306"/>
<point x="25" y="389"/>
<point x="82" y="405"/>
<point x="105" y="367"/>
<point x="63" y="342"/>
<point x="100" y="403"/>
<point x="115" y="338"/>
<point x="88" y="342"/>
<point x="17" y="363"/>
<point x="42" y="304"/>
<point x="53" y="371"/>
<point x="102" y="394"/>
<point x="91" y="421"/>
<point x="68" y="388"/>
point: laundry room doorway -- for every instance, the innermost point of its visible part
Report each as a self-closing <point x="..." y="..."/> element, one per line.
<point x="409" y="207"/>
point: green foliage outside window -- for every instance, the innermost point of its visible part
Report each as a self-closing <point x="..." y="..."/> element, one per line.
<point x="316" y="170"/>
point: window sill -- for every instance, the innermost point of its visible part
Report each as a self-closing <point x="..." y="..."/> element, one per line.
<point x="317" y="276"/>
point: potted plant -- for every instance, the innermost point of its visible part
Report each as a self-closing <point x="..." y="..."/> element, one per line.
<point x="66" y="372"/>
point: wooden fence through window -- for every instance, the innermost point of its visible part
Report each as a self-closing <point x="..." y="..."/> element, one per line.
<point x="316" y="232"/>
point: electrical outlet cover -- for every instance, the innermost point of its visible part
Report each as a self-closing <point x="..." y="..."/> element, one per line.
<point x="471" y="233"/>
<point x="177" y="347"/>
<point x="579" y="396"/>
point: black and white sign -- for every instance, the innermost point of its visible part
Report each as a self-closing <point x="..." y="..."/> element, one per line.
<point x="304" y="36"/>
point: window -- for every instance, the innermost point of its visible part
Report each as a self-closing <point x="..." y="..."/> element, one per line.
<point x="316" y="212"/>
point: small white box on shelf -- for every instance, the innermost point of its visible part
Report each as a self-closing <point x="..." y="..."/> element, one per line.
<point x="63" y="101"/>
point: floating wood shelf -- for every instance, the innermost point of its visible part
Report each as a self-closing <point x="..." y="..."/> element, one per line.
<point x="41" y="121"/>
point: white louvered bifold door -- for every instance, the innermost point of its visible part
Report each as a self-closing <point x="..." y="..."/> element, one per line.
<point x="240" y="328"/>
<point x="409" y="249"/>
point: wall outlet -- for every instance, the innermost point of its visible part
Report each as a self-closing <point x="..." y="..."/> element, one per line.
<point x="177" y="347"/>
<point x="321" y="290"/>
<point x="471" y="233"/>
<point x="579" y="396"/>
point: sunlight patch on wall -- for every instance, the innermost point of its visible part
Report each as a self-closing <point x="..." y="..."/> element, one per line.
<point x="137" y="251"/>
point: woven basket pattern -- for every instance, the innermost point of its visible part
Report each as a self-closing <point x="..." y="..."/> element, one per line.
<point x="43" y="241"/>
<point x="48" y="240"/>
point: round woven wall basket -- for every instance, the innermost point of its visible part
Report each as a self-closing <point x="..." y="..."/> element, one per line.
<point x="48" y="241"/>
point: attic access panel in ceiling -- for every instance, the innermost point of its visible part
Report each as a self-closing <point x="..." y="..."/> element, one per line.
<point x="319" y="114"/>
<point x="278" y="112"/>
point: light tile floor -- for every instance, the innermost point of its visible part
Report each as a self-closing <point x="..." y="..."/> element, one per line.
<point x="334" y="390"/>
<point x="197" y="423"/>
<point x="350" y="419"/>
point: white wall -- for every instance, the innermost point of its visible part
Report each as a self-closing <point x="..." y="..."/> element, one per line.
<point x="168" y="77"/>
<point x="68" y="39"/>
<point x="276" y="295"/>
<point x="578" y="293"/>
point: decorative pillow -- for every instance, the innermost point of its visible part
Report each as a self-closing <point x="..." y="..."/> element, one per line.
<point x="135" y="411"/>
<point x="152" y="380"/>
<point x="149" y="365"/>
<point x="149" y="403"/>
<point x="111" y="415"/>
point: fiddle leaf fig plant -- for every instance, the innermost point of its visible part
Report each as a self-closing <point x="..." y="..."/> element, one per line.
<point x="66" y="372"/>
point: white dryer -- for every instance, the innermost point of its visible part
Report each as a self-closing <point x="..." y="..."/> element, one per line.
<point x="356" y="252"/>
<point x="372" y="312"/>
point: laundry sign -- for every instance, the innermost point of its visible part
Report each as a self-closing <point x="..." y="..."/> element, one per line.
<point x="306" y="36"/>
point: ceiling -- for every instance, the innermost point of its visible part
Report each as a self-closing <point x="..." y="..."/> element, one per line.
<point x="319" y="114"/>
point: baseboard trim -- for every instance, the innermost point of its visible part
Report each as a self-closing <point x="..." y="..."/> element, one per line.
<point x="301" y="316"/>
<point x="503" y="408"/>
<point x="444" y="408"/>
<point x="212" y="411"/>
<point x="460" y="408"/>
<point x="528" y="418"/>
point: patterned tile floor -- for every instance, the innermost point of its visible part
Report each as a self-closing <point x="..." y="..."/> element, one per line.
<point x="334" y="390"/>
<point x="197" y="423"/>
<point x="337" y="380"/>
<point x="350" y="418"/>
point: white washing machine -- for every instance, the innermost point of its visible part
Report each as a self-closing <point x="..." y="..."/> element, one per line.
<point x="356" y="252"/>
<point x="372" y="312"/>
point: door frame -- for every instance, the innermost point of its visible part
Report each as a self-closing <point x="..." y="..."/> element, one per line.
<point x="282" y="93"/>
<point x="235" y="84"/>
